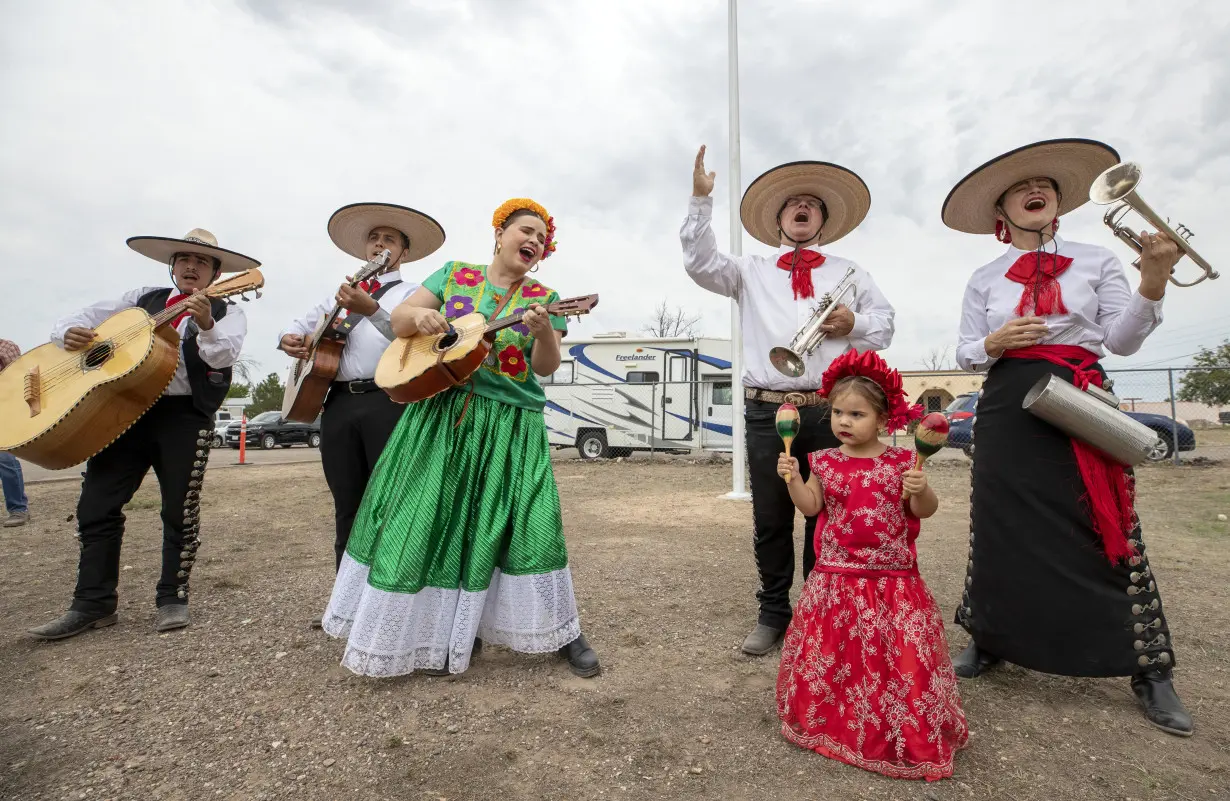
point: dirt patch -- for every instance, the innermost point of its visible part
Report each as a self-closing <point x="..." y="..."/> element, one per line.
<point x="249" y="703"/>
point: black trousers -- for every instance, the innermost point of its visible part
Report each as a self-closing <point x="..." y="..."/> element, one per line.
<point x="353" y="432"/>
<point x="173" y="438"/>
<point x="772" y="510"/>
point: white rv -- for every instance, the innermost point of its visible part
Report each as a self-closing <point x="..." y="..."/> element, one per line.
<point x="613" y="395"/>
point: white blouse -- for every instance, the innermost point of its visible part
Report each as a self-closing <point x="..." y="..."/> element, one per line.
<point x="1104" y="315"/>
<point x="219" y="347"/>
<point x="768" y="312"/>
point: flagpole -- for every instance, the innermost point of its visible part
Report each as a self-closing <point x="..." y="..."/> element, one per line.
<point x="738" y="443"/>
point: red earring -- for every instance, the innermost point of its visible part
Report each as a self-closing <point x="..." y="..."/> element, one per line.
<point x="1055" y="226"/>
<point x="1002" y="233"/>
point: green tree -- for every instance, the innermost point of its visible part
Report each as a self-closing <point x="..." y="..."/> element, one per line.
<point x="1209" y="386"/>
<point x="239" y="391"/>
<point x="266" y="396"/>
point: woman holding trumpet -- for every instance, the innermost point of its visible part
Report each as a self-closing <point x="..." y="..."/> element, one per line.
<point x="1058" y="580"/>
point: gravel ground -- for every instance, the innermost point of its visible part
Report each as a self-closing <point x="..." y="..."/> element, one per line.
<point x="249" y="703"/>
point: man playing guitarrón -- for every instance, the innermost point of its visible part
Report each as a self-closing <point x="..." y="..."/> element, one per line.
<point x="172" y="437"/>
<point x="795" y="208"/>
<point x="358" y="417"/>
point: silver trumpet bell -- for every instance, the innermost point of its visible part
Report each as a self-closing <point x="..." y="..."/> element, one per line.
<point x="1117" y="185"/>
<point x="790" y="360"/>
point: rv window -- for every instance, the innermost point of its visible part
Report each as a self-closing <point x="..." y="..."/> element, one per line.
<point x="642" y="377"/>
<point x="564" y="374"/>
<point x="722" y="396"/>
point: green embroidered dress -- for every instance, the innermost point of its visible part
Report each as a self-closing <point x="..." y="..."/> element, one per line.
<point x="460" y="534"/>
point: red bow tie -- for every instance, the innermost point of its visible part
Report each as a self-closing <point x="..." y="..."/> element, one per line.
<point x="171" y="301"/>
<point x="369" y="286"/>
<point x="1039" y="272"/>
<point x="800" y="263"/>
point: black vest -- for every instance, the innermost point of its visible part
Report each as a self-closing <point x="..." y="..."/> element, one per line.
<point x="209" y="384"/>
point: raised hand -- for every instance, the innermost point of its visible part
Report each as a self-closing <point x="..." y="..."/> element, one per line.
<point x="702" y="182"/>
<point x="1158" y="256"/>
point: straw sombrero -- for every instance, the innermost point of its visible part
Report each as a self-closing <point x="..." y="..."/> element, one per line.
<point x="844" y="194"/>
<point x="350" y="225"/>
<point x="1071" y="163"/>
<point x="198" y="240"/>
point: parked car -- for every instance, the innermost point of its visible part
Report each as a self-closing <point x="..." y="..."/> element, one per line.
<point x="962" y="410"/>
<point x="269" y="430"/>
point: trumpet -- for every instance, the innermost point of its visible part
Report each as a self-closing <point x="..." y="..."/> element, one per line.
<point x="790" y="360"/>
<point x="1118" y="185"/>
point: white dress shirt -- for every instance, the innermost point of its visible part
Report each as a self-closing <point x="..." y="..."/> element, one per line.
<point x="219" y="346"/>
<point x="1103" y="313"/>
<point x="769" y="314"/>
<point x="369" y="338"/>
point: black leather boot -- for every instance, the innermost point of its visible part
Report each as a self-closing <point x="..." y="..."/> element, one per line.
<point x="581" y="658"/>
<point x="973" y="661"/>
<point x="72" y="623"/>
<point x="1155" y="692"/>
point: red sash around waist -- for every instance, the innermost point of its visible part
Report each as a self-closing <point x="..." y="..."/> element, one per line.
<point x="1106" y="484"/>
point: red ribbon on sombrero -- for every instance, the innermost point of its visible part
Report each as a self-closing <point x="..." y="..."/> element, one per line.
<point x="1106" y="483"/>
<point x="799" y="263"/>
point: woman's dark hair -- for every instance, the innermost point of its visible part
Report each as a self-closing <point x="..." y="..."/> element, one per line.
<point x="863" y="387"/>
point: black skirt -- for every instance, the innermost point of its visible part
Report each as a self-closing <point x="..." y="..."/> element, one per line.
<point x="1039" y="590"/>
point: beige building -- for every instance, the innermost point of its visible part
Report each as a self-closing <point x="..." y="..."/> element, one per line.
<point x="936" y="390"/>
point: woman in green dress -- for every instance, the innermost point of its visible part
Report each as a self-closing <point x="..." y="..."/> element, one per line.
<point x="459" y="539"/>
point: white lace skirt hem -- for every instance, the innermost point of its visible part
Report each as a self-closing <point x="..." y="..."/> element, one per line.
<point x="394" y="633"/>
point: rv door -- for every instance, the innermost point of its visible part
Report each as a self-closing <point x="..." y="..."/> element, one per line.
<point x="678" y="411"/>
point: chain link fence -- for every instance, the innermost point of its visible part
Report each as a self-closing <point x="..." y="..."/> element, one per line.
<point x="603" y="420"/>
<point x="1179" y="403"/>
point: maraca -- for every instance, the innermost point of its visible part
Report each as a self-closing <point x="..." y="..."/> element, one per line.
<point x="930" y="437"/>
<point x="788" y="424"/>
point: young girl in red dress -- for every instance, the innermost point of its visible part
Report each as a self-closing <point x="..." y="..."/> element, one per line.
<point x="865" y="676"/>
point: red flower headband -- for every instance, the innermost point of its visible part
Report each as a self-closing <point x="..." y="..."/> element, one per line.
<point x="506" y="209"/>
<point x="868" y="364"/>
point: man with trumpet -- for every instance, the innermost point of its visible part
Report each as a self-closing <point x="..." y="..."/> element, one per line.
<point x="796" y="208"/>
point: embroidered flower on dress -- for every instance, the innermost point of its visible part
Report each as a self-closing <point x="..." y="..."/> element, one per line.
<point x="534" y="290"/>
<point x="458" y="306"/>
<point x="468" y="276"/>
<point x="512" y="360"/>
<point x="521" y="328"/>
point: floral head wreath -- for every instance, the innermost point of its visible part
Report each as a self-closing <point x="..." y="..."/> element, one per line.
<point x="868" y="364"/>
<point x="507" y="208"/>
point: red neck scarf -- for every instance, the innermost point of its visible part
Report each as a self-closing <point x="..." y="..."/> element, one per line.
<point x="800" y="263"/>
<point x="171" y="301"/>
<point x="1107" y="488"/>
<point x="369" y="286"/>
<point x="1039" y="272"/>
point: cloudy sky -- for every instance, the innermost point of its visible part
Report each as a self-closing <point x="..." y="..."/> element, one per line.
<point x="257" y="118"/>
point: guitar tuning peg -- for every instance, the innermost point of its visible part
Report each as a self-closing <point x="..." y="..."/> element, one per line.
<point x="258" y="293"/>
<point x="230" y="302"/>
<point x="244" y="297"/>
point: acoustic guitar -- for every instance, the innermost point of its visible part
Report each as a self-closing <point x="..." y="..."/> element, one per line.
<point x="59" y="408"/>
<point x="417" y="367"/>
<point x="308" y="382"/>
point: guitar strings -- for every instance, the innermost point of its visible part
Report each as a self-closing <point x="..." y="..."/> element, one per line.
<point x="58" y="374"/>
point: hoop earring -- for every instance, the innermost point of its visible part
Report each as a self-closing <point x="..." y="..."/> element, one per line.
<point x="1002" y="232"/>
<point x="534" y="269"/>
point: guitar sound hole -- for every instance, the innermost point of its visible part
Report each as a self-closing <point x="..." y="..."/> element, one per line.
<point x="448" y="340"/>
<point x="95" y="356"/>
